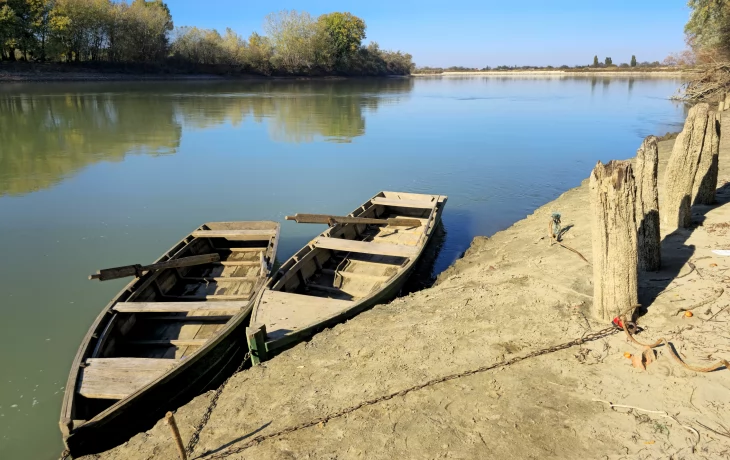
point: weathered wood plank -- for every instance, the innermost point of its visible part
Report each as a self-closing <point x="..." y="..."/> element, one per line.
<point x="256" y="339"/>
<point x="212" y="296"/>
<point x="218" y="279"/>
<point x="237" y="263"/>
<point x="177" y="307"/>
<point x="327" y="219"/>
<point x="194" y="319"/>
<point x="136" y="270"/>
<point x="286" y="312"/>
<point x="363" y="276"/>
<point x="242" y="249"/>
<point x="117" y="378"/>
<point x="365" y="247"/>
<point x="169" y="342"/>
<point x="240" y="235"/>
<point x="278" y="298"/>
<point x="420" y="204"/>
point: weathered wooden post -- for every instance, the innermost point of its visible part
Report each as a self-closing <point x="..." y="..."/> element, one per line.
<point x="256" y="338"/>
<point x="705" y="180"/>
<point x="682" y="167"/>
<point x="647" y="206"/>
<point x="615" y="259"/>
<point x="170" y="420"/>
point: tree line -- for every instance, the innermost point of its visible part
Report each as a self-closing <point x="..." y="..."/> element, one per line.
<point x="607" y="63"/>
<point x="107" y="31"/>
<point x="708" y="30"/>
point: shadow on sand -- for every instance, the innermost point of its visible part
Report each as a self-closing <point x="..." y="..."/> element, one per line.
<point x="675" y="254"/>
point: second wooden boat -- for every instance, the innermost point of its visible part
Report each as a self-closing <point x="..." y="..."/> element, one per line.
<point x="345" y="270"/>
<point x="167" y="336"/>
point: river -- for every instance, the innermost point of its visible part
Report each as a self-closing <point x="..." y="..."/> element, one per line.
<point x="94" y="175"/>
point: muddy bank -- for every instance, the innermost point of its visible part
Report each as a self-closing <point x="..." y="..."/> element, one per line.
<point x="510" y="295"/>
<point x="19" y="77"/>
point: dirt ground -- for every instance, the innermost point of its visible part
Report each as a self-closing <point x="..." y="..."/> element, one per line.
<point x="508" y="296"/>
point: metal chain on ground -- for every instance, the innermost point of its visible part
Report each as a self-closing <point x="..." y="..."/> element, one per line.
<point x="209" y="411"/>
<point x="258" y="439"/>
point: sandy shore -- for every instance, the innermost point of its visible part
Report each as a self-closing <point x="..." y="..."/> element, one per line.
<point x="510" y="295"/>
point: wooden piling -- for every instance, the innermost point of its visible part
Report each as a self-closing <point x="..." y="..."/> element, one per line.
<point x="615" y="258"/>
<point x="256" y="338"/>
<point x="705" y="180"/>
<point x="647" y="206"/>
<point x="170" y="420"/>
<point x="682" y="168"/>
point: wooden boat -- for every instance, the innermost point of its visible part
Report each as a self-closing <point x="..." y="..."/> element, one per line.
<point x="345" y="270"/>
<point x="167" y="336"/>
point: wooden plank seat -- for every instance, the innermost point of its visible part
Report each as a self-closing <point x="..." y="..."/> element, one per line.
<point x="178" y="307"/>
<point x="213" y="296"/>
<point x="422" y="204"/>
<point x="286" y="311"/>
<point x="240" y="235"/>
<point x="237" y="263"/>
<point x="365" y="247"/>
<point x="355" y="275"/>
<point x="169" y="342"/>
<point x="117" y="378"/>
<point x="218" y="279"/>
<point x="192" y="319"/>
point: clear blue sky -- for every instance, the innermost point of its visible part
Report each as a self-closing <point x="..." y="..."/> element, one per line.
<point x="477" y="33"/>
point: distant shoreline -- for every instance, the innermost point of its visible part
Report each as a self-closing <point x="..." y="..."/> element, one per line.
<point x="93" y="75"/>
<point x="565" y="73"/>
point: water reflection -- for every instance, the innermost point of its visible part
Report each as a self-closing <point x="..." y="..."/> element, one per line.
<point x="45" y="138"/>
<point x="49" y="132"/>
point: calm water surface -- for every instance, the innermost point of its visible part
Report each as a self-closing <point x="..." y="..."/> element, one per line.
<point x="97" y="175"/>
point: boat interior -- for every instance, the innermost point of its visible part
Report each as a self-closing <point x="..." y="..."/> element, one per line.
<point x="347" y="263"/>
<point x="165" y="316"/>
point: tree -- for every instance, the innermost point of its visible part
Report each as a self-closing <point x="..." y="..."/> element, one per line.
<point x="340" y="36"/>
<point x="7" y="32"/>
<point x="609" y="62"/>
<point x="633" y="61"/>
<point x="259" y="53"/>
<point x="147" y="24"/>
<point x="705" y="21"/>
<point x="595" y="61"/>
<point x="293" y="36"/>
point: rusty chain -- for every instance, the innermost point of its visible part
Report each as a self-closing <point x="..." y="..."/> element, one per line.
<point x="258" y="439"/>
<point x="195" y="437"/>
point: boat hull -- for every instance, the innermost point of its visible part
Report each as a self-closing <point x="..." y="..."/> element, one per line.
<point x="92" y="424"/>
<point x="388" y="293"/>
<point x="142" y="412"/>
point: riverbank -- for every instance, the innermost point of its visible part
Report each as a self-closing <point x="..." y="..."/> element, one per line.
<point x="510" y="295"/>
<point x="99" y="72"/>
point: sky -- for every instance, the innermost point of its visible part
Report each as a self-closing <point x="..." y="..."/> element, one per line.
<point x="479" y="33"/>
